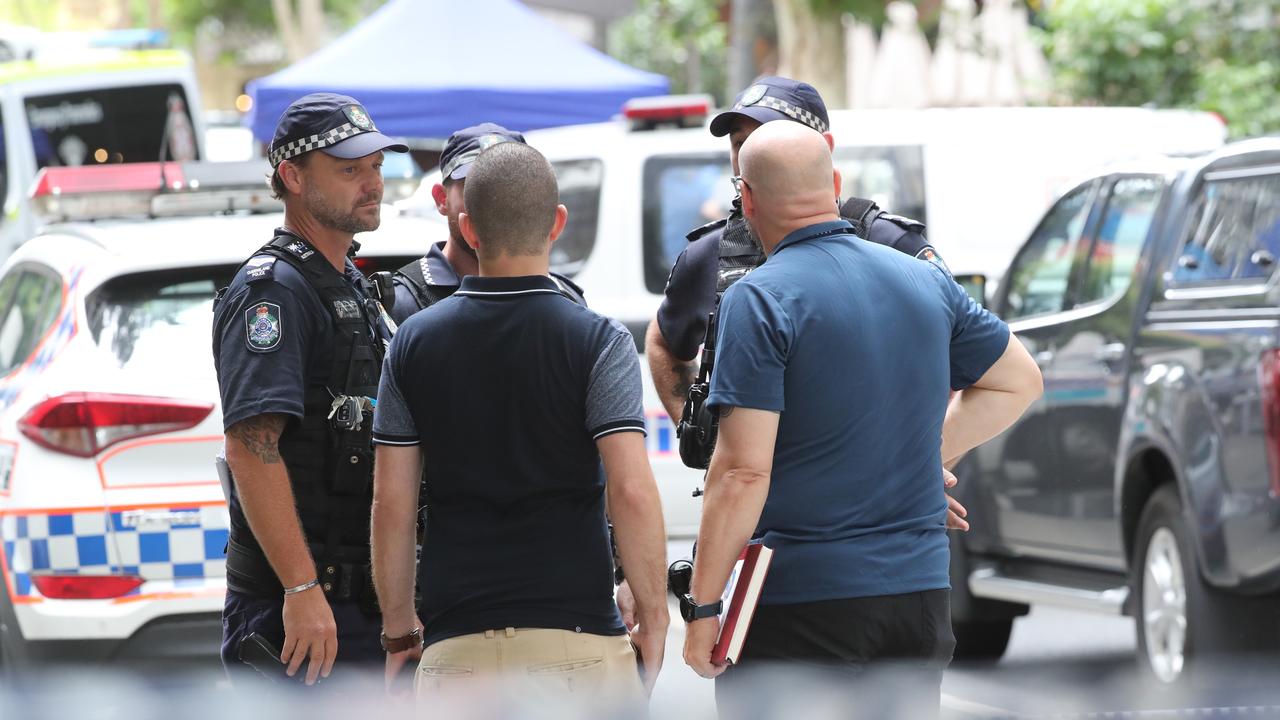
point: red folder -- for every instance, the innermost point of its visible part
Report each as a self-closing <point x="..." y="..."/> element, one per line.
<point x="741" y="596"/>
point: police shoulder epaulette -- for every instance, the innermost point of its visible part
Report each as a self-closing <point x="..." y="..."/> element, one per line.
<point x="905" y="223"/>
<point x="702" y="231"/>
<point x="260" y="267"/>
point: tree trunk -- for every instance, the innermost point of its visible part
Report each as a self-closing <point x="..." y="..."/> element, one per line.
<point x="311" y="17"/>
<point x="811" y="48"/>
<point x="290" y="33"/>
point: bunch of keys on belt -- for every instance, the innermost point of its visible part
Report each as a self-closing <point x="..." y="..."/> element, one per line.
<point x="347" y="412"/>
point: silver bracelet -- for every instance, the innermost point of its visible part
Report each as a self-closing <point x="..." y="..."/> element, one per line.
<point x="302" y="587"/>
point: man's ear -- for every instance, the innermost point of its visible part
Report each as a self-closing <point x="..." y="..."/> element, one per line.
<point x="748" y="201"/>
<point x="562" y="216"/>
<point x="468" y="231"/>
<point x="831" y="141"/>
<point x="291" y="176"/>
<point x="838" y="181"/>
<point x="441" y="196"/>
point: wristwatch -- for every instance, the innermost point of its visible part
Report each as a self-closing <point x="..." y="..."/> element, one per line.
<point x="690" y="610"/>
<point x="402" y="643"/>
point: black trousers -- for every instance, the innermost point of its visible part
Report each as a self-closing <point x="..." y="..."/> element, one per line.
<point x="881" y="656"/>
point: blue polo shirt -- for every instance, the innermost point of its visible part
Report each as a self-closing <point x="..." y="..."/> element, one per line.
<point x="857" y="346"/>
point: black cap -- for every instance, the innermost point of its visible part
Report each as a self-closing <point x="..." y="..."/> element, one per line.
<point x="336" y="124"/>
<point x="776" y="98"/>
<point x="466" y="145"/>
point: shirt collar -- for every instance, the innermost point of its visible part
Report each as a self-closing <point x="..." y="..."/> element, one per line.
<point x="436" y="269"/>
<point x="823" y="229"/>
<point x="497" y="287"/>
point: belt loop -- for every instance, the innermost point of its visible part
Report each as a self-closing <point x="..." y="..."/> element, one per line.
<point x="488" y="634"/>
<point x="511" y="632"/>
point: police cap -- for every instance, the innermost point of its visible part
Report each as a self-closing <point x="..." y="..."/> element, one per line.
<point x="775" y="98"/>
<point x="335" y="124"/>
<point x="464" y="146"/>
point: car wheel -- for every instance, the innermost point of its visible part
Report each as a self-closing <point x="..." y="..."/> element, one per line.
<point x="1181" y="619"/>
<point x="982" y="641"/>
<point x="981" y="626"/>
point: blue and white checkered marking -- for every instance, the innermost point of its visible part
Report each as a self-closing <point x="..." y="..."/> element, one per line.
<point x="186" y="547"/>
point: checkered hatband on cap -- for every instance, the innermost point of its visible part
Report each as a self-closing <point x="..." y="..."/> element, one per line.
<point x="798" y="114"/>
<point x="314" y="142"/>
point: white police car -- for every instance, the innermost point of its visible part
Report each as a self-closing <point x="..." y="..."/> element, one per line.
<point x="979" y="178"/>
<point x="112" y="520"/>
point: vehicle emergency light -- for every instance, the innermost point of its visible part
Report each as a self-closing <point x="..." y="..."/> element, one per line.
<point x="680" y="110"/>
<point x="85" y="424"/>
<point x="95" y="192"/>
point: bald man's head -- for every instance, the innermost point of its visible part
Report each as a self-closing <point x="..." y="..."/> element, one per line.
<point x="790" y="180"/>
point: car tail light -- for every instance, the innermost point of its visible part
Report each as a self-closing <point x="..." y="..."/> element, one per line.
<point x="1269" y="379"/>
<point x="85" y="587"/>
<point x="84" y="424"/>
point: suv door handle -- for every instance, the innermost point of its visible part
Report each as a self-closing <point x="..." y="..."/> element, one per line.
<point x="1044" y="357"/>
<point x="1111" y="353"/>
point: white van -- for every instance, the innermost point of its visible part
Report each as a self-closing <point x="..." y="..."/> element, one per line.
<point x="978" y="178"/>
<point x="87" y="107"/>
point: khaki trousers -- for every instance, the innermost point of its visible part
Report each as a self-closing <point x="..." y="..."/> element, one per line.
<point x="533" y="665"/>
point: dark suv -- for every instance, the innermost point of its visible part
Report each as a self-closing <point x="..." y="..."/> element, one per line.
<point x="1146" y="481"/>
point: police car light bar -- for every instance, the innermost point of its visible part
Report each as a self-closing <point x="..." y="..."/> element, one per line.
<point x="95" y="192"/>
<point x="682" y="110"/>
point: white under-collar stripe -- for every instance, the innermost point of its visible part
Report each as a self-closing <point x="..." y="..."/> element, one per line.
<point x="508" y="292"/>
<point x="624" y="428"/>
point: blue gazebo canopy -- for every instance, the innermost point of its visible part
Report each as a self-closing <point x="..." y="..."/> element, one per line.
<point x="425" y="68"/>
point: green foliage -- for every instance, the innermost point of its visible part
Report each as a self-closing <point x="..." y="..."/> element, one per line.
<point x="663" y="36"/>
<point x="1220" y="55"/>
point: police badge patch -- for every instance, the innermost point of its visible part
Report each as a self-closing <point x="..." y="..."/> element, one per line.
<point x="928" y="254"/>
<point x="358" y="117"/>
<point x="753" y="95"/>
<point x="262" y="326"/>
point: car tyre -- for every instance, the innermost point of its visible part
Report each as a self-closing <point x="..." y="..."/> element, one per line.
<point x="982" y="641"/>
<point x="1181" y="620"/>
<point x="981" y="626"/>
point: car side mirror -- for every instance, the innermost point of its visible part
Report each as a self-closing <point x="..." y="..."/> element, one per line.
<point x="976" y="285"/>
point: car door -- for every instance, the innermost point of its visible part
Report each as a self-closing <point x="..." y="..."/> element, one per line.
<point x="1087" y="380"/>
<point x="1016" y="471"/>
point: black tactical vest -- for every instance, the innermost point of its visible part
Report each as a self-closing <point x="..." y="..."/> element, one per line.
<point x="330" y="469"/>
<point x="414" y="276"/>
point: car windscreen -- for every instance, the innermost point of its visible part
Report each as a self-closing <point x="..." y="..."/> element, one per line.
<point x="112" y="125"/>
<point x="683" y="192"/>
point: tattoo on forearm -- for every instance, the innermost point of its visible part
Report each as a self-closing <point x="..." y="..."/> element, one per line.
<point x="260" y="434"/>
<point x="686" y="376"/>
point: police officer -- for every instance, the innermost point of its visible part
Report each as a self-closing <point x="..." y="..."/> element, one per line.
<point x="438" y="274"/>
<point x="298" y="347"/>
<point x="723" y="251"/>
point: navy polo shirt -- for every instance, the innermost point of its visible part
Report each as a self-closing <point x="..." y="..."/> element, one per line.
<point x="856" y="346"/>
<point x="506" y="386"/>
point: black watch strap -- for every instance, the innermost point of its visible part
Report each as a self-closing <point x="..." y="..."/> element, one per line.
<point x="690" y="610"/>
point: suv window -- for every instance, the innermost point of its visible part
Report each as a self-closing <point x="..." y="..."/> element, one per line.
<point x="1131" y="209"/>
<point x="1037" y="281"/>
<point x="125" y="124"/>
<point x="147" y="317"/>
<point x="891" y="176"/>
<point x="579" y="182"/>
<point x="682" y="192"/>
<point x="1234" y="224"/>
<point x="29" y="302"/>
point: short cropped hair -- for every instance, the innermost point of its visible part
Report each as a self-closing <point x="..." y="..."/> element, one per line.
<point x="511" y="197"/>
<point x="278" y="190"/>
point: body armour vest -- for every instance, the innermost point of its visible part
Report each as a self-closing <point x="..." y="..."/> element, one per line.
<point x="328" y="452"/>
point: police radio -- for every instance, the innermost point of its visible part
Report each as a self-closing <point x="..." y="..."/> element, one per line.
<point x="699" y="424"/>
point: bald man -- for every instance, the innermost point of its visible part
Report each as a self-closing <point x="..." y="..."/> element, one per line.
<point x="834" y="363"/>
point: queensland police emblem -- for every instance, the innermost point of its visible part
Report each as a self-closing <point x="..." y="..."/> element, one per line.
<point x="358" y="117"/>
<point x="262" y="326"/>
<point x="753" y="95"/>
